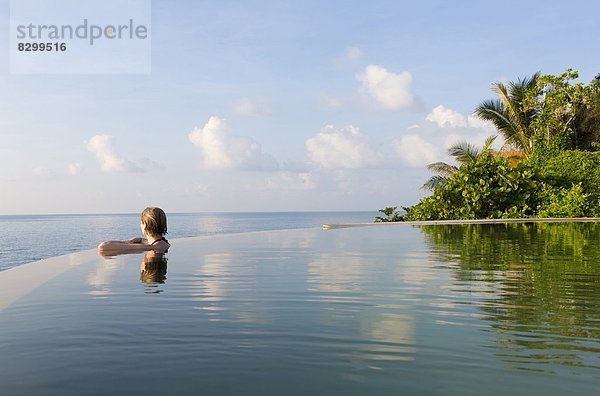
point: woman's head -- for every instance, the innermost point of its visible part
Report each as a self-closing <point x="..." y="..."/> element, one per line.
<point x="154" y="221"/>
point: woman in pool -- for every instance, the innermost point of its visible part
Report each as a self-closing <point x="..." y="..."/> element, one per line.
<point x="153" y="223"/>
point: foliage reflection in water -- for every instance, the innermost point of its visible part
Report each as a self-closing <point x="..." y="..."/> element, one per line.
<point x="543" y="283"/>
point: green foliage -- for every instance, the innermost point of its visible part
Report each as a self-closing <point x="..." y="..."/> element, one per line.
<point x="556" y="184"/>
<point x="565" y="168"/>
<point x="391" y="215"/>
<point x="489" y="188"/>
<point x="571" y="182"/>
<point x="564" y="202"/>
<point x="558" y="104"/>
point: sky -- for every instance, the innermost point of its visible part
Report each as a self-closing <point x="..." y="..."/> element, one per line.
<point x="277" y="106"/>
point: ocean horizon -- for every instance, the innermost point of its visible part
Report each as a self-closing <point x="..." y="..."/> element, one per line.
<point x="33" y="237"/>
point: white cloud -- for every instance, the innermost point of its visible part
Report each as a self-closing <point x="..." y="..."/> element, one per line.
<point x="74" y="169"/>
<point x="415" y="151"/>
<point x="103" y="147"/>
<point x="446" y="118"/>
<point x="252" y="107"/>
<point x="476" y="122"/>
<point x="291" y="181"/>
<point x="222" y="150"/>
<point x="454" y="127"/>
<point x="451" y="138"/>
<point x="353" y="54"/>
<point x="391" y="91"/>
<point x="344" y="148"/>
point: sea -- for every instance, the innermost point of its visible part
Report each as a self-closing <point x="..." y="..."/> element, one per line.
<point x="28" y="238"/>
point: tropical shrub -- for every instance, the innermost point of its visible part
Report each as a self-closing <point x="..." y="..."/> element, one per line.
<point x="564" y="202"/>
<point x="489" y="188"/>
<point x="565" y="168"/>
<point x="572" y="183"/>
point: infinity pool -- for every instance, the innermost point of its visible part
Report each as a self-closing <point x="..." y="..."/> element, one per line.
<point x="464" y="310"/>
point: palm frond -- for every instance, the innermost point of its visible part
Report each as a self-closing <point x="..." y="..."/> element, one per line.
<point x="518" y="90"/>
<point x="494" y="111"/>
<point x="442" y="168"/>
<point x="464" y="152"/>
<point x="487" y="145"/>
<point x="434" y="182"/>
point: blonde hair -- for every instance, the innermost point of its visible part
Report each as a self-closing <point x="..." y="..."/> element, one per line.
<point x="155" y="221"/>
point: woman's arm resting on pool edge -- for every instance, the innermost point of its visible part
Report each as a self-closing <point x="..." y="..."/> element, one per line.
<point x="125" y="246"/>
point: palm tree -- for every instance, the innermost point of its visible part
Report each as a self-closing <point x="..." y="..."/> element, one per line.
<point x="465" y="153"/>
<point x="508" y="112"/>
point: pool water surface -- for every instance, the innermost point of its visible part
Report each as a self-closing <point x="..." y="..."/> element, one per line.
<point x="465" y="309"/>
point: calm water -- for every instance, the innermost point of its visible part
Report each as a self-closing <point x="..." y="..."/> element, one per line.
<point x="29" y="238"/>
<point x="448" y="310"/>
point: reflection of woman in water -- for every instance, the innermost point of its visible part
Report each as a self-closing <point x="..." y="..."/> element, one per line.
<point x="153" y="268"/>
